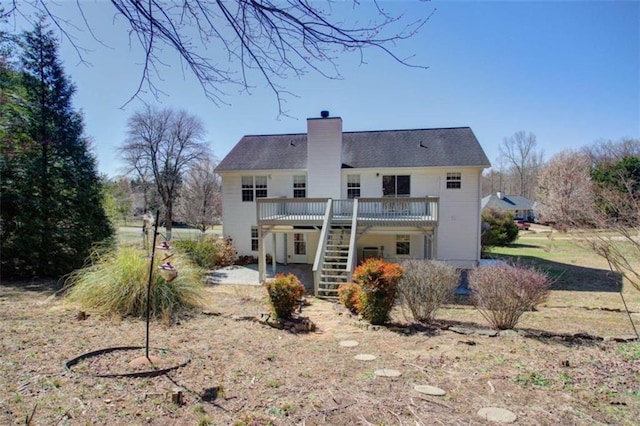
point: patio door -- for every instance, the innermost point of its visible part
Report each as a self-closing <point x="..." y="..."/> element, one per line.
<point x="299" y="248"/>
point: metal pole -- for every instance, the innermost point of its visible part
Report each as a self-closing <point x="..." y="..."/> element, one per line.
<point x="153" y="252"/>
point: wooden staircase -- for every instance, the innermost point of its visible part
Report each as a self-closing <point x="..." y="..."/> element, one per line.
<point x="335" y="269"/>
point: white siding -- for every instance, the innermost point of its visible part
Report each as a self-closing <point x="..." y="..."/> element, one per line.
<point x="324" y="157"/>
<point x="459" y="220"/>
<point x="237" y="216"/>
<point x="457" y="235"/>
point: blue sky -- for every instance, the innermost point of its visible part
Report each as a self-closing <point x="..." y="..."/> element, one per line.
<point x="569" y="72"/>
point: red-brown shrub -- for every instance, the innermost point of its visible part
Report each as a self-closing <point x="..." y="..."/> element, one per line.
<point x="379" y="281"/>
<point x="503" y="293"/>
<point x="349" y="294"/>
<point x="284" y="292"/>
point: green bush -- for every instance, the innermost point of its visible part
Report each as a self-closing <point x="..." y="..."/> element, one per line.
<point x="116" y="284"/>
<point x="502" y="293"/>
<point x="425" y="286"/>
<point x="284" y="292"/>
<point x="349" y="294"/>
<point x="210" y="253"/>
<point x="379" y="281"/>
<point x="499" y="228"/>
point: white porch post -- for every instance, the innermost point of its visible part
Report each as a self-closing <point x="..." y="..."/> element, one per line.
<point x="273" y="255"/>
<point x="285" y="248"/>
<point x="262" y="256"/>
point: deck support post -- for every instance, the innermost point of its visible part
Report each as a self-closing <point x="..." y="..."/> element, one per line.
<point x="262" y="257"/>
<point x="273" y="255"/>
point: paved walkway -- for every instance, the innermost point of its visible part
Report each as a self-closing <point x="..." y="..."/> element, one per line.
<point x="248" y="275"/>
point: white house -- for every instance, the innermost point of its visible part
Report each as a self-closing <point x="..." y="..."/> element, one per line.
<point x="332" y="198"/>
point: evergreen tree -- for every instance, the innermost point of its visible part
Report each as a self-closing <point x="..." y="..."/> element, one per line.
<point x="51" y="194"/>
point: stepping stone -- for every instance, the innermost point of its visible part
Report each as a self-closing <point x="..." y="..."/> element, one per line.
<point x="497" y="414"/>
<point x="348" y="343"/>
<point x="365" y="357"/>
<point x="429" y="390"/>
<point x="387" y="372"/>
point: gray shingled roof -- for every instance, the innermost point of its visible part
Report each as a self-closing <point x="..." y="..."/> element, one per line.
<point x="507" y="202"/>
<point x="456" y="147"/>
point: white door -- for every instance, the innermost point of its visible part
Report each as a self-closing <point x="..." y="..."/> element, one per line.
<point x="299" y="248"/>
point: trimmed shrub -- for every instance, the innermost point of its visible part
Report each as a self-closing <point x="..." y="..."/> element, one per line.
<point x="209" y="253"/>
<point x="116" y="284"/>
<point x="503" y="293"/>
<point x="284" y="292"/>
<point x="425" y="286"/>
<point x="379" y="281"/>
<point x="499" y="228"/>
<point x="349" y="294"/>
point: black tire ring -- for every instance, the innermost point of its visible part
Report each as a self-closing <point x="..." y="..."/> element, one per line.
<point x="148" y="373"/>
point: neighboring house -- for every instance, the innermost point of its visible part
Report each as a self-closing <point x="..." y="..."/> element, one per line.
<point x="522" y="208"/>
<point x="332" y="198"/>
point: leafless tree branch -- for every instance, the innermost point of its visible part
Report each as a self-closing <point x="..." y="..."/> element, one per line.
<point x="276" y="40"/>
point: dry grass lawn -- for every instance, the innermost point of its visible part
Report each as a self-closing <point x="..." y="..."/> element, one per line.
<point x="557" y="368"/>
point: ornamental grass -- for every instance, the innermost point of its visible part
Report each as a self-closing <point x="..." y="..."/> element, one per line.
<point x="115" y="283"/>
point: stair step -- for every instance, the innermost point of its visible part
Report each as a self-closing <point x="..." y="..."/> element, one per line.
<point x="333" y="277"/>
<point x="330" y="287"/>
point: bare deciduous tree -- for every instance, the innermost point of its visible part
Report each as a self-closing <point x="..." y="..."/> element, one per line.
<point x="519" y="152"/>
<point x="224" y="42"/>
<point x="564" y="194"/>
<point x="200" y="203"/>
<point x="607" y="151"/>
<point x="617" y="206"/>
<point x="165" y="143"/>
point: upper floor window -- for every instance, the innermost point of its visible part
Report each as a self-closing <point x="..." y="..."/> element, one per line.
<point x="353" y="186"/>
<point x="396" y="186"/>
<point x="454" y="180"/>
<point x="254" y="187"/>
<point x="300" y="186"/>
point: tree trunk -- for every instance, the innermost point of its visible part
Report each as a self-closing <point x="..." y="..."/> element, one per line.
<point x="168" y="219"/>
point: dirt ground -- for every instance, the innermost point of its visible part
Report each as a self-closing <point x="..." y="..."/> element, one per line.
<point x="557" y="368"/>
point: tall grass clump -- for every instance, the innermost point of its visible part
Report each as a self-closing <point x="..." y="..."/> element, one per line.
<point x="503" y="293"/>
<point x="284" y="293"/>
<point x="209" y="253"/>
<point x="425" y="286"/>
<point x="116" y="284"/>
<point x="379" y="281"/>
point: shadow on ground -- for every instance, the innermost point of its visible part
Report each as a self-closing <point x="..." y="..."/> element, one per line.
<point x="571" y="277"/>
<point x="41" y="285"/>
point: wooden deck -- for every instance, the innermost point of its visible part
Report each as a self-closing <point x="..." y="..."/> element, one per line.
<point x="368" y="211"/>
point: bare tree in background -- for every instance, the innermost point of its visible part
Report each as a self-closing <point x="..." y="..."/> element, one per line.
<point x="226" y="42"/>
<point x="616" y="176"/>
<point x="200" y="203"/>
<point x="519" y="152"/>
<point x="166" y="143"/>
<point x="142" y="176"/>
<point x="607" y="151"/>
<point x="565" y="193"/>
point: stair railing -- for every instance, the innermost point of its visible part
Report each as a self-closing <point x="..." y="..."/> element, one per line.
<point x="353" y="252"/>
<point x="328" y="214"/>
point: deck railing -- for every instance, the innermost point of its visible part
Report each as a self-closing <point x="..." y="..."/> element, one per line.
<point x="381" y="210"/>
<point x="291" y="210"/>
